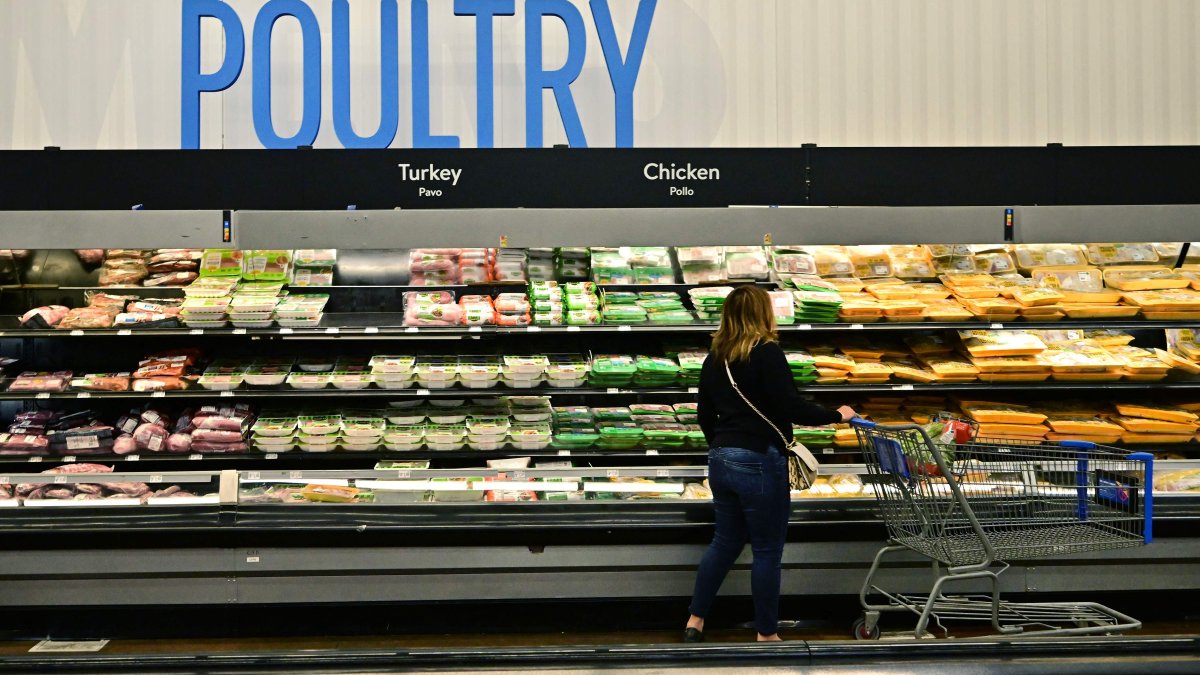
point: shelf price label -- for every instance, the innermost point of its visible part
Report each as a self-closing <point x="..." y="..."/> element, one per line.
<point x="286" y="331"/>
<point x="613" y="473"/>
<point x="133" y="458"/>
<point x="158" y="394"/>
<point x="997" y="326"/>
<point x="42" y="395"/>
<point x="902" y="387"/>
<point x="68" y="458"/>
<point x="422" y="392"/>
<point x="370" y="330"/>
<point x="124" y="331"/>
<point x="572" y="329"/>
<point x="651" y="452"/>
<point x="475" y="329"/>
<point x="624" y="329"/>
<point x="561" y="453"/>
<point x="34" y="460"/>
<point x="693" y="390"/>
<point x="533" y="329"/>
<point x="253" y="475"/>
<point x="4" y="480"/>
<point x="271" y="455"/>
<point x="403" y="473"/>
<point x="803" y="326"/>
<point x="227" y="394"/>
<point x="60" y="479"/>
<point x="856" y="326"/>
<point x="295" y="475"/>
<point x="412" y="329"/>
<point x="662" y="473"/>
<point x="196" y="331"/>
<point x="195" y="456"/>
<point x="154" y="478"/>
<point x="332" y="331"/>
<point x="239" y="331"/>
<point x="84" y="394"/>
<point x="76" y="333"/>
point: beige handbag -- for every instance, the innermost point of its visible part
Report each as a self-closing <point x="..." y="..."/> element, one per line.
<point x="802" y="464"/>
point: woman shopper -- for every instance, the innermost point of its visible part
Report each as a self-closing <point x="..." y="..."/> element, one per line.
<point x="747" y="466"/>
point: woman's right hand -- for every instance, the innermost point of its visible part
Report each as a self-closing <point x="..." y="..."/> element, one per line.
<point x="847" y="413"/>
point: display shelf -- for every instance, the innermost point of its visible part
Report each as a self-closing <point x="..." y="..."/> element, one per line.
<point x="391" y="325"/>
<point x="457" y="393"/>
<point x="342" y="457"/>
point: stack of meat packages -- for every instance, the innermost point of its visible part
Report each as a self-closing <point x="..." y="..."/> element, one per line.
<point x="451" y="266"/>
<point x="45" y="432"/>
<point x="105" y="310"/>
<point x="209" y="429"/>
<point x="87" y="491"/>
<point x="159" y="267"/>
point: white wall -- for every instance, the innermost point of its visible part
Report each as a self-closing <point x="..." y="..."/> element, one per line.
<point x="105" y="74"/>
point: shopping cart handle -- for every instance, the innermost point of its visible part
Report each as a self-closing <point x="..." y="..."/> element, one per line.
<point x="860" y="422"/>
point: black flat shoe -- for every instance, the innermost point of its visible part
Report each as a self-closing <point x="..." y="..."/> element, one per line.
<point x="693" y="635"/>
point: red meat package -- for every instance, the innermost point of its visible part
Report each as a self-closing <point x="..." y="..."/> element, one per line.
<point x="30" y="381"/>
<point x="152" y="437"/>
<point x="102" y="382"/>
<point x="23" y="444"/>
<point x="44" y="317"/>
<point x="89" y="317"/>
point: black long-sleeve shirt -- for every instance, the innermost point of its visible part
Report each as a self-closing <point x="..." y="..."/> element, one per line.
<point x="767" y="381"/>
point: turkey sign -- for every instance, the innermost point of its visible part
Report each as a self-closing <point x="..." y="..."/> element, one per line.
<point x="623" y="67"/>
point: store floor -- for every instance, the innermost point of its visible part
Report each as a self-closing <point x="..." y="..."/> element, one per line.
<point x="1159" y="647"/>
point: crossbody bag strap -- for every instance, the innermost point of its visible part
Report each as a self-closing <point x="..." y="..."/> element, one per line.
<point x="729" y="373"/>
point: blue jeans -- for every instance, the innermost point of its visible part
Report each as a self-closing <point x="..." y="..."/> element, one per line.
<point x="751" y="499"/>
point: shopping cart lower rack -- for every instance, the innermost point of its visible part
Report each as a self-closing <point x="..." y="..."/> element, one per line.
<point x="974" y="506"/>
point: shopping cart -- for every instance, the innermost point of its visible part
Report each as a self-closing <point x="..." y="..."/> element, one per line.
<point x="974" y="505"/>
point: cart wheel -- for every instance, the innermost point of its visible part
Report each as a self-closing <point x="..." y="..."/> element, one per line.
<point x="860" y="632"/>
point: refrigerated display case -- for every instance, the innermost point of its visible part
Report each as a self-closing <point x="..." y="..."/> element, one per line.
<point x="355" y="446"/>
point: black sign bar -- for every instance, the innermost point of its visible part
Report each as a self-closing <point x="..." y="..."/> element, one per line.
<point x="590" y="178"/>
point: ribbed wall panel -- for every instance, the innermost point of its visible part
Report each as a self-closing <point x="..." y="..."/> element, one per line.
<point x="106" y="74"/>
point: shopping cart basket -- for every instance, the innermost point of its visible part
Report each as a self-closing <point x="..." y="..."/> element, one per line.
<point x="975" y="505"/>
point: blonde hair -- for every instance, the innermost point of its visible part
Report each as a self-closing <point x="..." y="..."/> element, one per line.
<point x="747" y="319"/>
